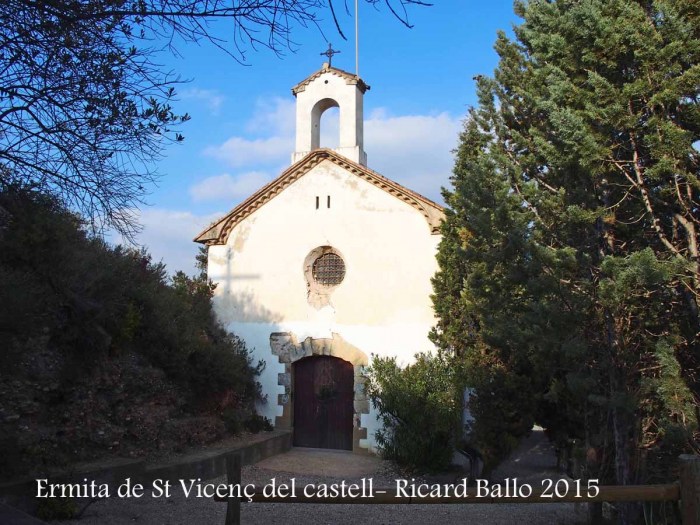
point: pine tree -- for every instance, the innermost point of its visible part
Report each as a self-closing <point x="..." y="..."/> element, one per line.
<point x="570" y="252"/>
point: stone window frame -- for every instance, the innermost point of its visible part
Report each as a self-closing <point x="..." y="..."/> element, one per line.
<point x="318" y="294"/>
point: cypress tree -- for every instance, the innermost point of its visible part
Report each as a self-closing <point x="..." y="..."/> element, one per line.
<point x="569" y="261"/>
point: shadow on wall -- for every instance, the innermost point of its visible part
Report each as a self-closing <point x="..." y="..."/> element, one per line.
<point x="234" y="300"/>
<point x="242" y="307"/>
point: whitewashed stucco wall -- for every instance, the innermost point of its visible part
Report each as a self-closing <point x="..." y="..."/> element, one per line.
<point x="383" y="305"/>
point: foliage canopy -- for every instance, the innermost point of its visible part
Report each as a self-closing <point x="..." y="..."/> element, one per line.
<point x="418" y="410"/>
<point x="91" y="302"/>
<point x="569" y="260"/>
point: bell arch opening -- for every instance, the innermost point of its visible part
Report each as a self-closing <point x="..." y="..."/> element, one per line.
<point x="330" y="128"/>
<point x="331" y="124"/>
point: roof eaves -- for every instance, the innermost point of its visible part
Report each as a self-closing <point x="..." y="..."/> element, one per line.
<point x="218" y="231"/>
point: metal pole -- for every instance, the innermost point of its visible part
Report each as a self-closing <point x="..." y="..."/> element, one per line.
<point x="357" y="40"/>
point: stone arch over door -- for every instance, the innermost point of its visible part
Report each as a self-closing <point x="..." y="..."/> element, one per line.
<point x="289" y="350"/>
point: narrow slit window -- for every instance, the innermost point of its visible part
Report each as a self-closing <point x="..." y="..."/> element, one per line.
<point x="317" y="202"/>
<point x="329" y="201"/>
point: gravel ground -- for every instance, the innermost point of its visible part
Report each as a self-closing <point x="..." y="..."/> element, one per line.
<point x="532" y="462"/>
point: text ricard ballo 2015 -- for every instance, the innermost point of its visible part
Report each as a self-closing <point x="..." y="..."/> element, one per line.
<point x="363" y="489"/>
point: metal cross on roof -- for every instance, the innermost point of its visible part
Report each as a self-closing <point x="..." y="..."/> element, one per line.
<point x="330" y="53"/>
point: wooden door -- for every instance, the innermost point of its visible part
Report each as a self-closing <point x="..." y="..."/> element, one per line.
<point x="323" y="402"/>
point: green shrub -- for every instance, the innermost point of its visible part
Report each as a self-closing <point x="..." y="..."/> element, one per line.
<point x="418" y="409"/>
<point x="257" y="423"/>
<point x="92" y="301"/>
<point x="233" y="419"/>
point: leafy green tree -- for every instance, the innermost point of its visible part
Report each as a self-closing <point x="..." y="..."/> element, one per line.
<point x="93" y="301"/>
<point x="418" y="410"/>
<point x="570" y="256"/>
<point x="105" y="335"/>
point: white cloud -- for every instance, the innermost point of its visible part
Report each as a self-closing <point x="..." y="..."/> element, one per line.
<point x="239" y="151"/>
<point x="274" y="120"/>
<point x="228" y="187"/>
<point x="212" y="98"/>
<point x="273" y="117"/>
<point x="414" y="150"/>
<point x="167" y="235"/>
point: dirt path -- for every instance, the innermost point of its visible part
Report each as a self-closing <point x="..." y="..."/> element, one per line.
<point x="533" y="461"/>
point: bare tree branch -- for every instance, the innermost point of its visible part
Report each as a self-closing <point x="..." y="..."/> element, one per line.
<point x="85" y="110"/>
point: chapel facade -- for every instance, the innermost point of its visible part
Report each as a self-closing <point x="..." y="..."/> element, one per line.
<point x="323" y="268"/>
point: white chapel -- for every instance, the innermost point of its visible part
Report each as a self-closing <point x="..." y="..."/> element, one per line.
<point x="323" y="268"/>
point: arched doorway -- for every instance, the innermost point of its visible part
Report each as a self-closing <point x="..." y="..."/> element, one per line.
<point x="323" y="403"/>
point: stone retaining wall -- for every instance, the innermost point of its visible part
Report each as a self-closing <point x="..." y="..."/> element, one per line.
<point x="205" y="465"/>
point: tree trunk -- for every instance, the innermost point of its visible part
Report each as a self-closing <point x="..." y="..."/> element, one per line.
<point x="621" y="424"/>
<point x="629" y="512"/>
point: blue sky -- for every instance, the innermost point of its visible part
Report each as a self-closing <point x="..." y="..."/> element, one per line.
<point x="242" y="128"/>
